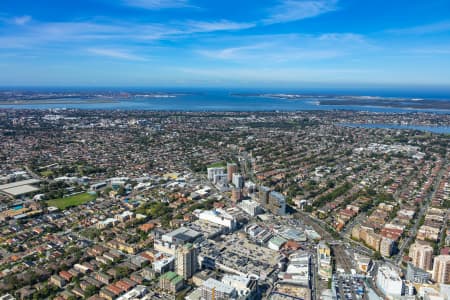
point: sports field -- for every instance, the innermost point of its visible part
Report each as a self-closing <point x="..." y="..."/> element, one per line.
<point x="75" y="200"/>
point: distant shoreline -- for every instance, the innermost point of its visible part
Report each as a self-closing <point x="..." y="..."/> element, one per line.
<point x="407" y="104"/>
<point x="362" y="101"/>
<point x="55" y="101"/>
<point x="219" y="101"/>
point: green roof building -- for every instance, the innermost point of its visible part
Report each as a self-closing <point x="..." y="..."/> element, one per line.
<point x="171" y="282"/>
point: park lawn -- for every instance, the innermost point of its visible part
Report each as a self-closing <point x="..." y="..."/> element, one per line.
<point x="218" y="164"/>
<point x="75" y="200"/>
<point x="47" y="173"/>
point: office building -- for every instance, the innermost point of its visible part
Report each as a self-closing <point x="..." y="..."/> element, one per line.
<point x="417" y="275"/>
<point x="389" y="282"/>
<point x="220" y="217"/>
<point x="421" y="255"/>
<point x="171" y="282"/>
<point x="324" y="260"/>
<point x="250" y="186"/>
<point x="236" y="195"/>
<point x="220" y="179"/>
<point x="441" y="269"/>
<point x="323" y="253"/>
<point x="298" y="271"/>
<point x="186" y="260"/>
<point x="168" y="242"/>
<point x="386" y="247"/>
<point x="163" y="264"/>
<point x="277" y="204"/>
<point x="250" y="207"/>
<point x="231" y="169"/>
<point x="238" y="180"/>
<point x="245" y="287"/>
<point x="263" y="195"/>
<point x="213" y="172"/>
<point x="213" y="289"/>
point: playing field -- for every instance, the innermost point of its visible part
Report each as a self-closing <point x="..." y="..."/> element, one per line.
<point x="218" y="164"/>
<point x="63" y="203"/>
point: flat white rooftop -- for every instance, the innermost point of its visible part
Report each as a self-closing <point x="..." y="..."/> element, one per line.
<point x="18" y="183"/>
<point x="20" y="190"/>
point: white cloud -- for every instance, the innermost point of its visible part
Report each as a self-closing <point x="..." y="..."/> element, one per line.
<point x="222" y="25"/>
<point x="157" y="4"/>
<point x="270" y="54"/>
<point x="266" y="49"/>
<point x="77" y="30"/>
<point x="235" y="53"/>
<point x="294" y="10"/>
<point x="115" y="53"/>
<point x="342" y="37"/>
<point x="423" y="29"/>
<point x="42" y="33"/>
<point x="22" y="20"/>
<point x="18" y="20"/>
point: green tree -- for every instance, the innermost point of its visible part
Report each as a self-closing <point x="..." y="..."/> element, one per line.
<point x="377" y="255"/>
<point x="90" y="290"/>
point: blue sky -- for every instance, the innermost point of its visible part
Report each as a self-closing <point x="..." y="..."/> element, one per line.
<point x="247" y="43"/>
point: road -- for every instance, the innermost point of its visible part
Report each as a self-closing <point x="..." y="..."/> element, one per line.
<point x="422" y="211"/>
<point x="412" y="233"/>
<point x="34" y="175"/>
<point x="371" y="281"/>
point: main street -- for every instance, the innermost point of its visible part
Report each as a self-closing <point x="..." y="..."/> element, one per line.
<point x="422" y="211"/>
